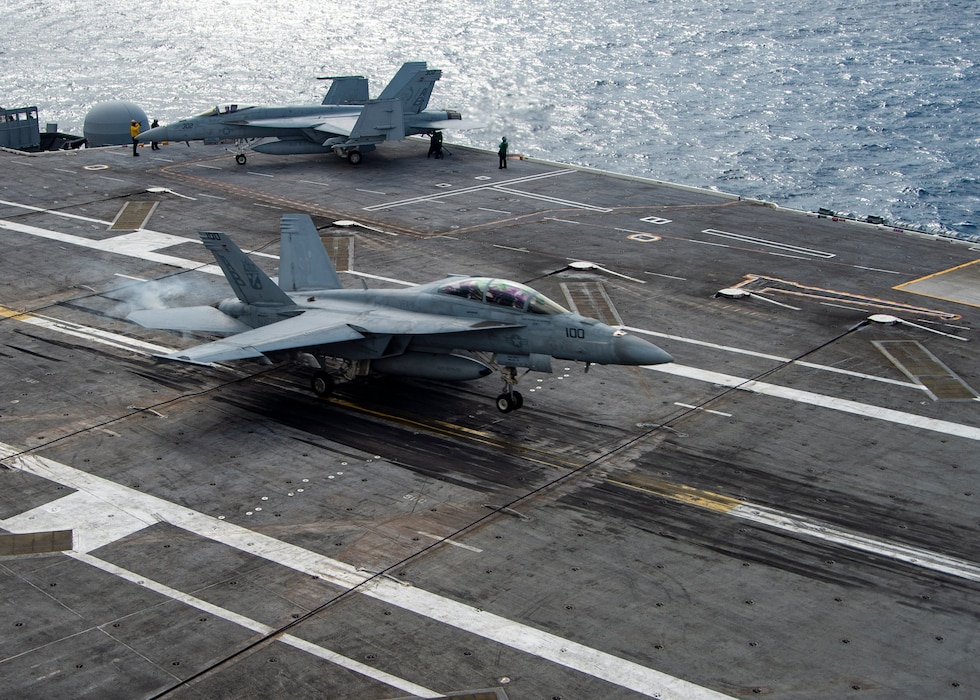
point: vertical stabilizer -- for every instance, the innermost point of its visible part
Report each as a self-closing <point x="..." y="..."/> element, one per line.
<point x="412" y="85"/>
<point x="303" y="261"/>
<point x="251" y="285"/>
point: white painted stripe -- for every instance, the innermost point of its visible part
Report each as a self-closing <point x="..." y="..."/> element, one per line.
<point x="807" y="397"/>
<point x="55" y="212"/>
<point x="670" y="277"/>
<point x="94" y="334"/>
<point x="699" y="408"/>
<point x="771" y="244"/>
<point x="126" y="244"/>
<point x="256" y="626"/>
<point x="775" y="358"/>
<point x="876" y="269"/>
<point x="454" y="544"/>
<point x="463" y="190"/>
<point x="900" y="552"/>
<point x="515" y="635"/>
<point x="551" y="200"/>
<point x="93" y="522"/>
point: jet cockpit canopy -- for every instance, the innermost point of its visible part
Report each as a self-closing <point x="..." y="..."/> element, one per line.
<point x="225" y="109"/>
<point x="504" y="293"/>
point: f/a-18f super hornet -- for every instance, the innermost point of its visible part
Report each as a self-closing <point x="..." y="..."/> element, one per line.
<point x="415" y="332"/>
<point x="346" y="122"/>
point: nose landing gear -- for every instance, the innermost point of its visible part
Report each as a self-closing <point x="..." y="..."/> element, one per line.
<point x="511" y="399"/>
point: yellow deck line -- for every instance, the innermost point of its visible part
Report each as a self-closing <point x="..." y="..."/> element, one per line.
<point x="680" y="493"/>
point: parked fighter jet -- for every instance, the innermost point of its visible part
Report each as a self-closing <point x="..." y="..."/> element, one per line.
<point x="346" y="122"/>
<point x="417" y="332"/>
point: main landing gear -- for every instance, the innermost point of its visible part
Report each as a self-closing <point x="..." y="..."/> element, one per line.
<point x="322" y="384"/>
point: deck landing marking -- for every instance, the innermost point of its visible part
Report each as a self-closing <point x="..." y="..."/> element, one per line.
<point x="922" y="367"/>
<point x="255" y="626"/>
<point x="786" y="247"/>
<point x="832" y="402"/>
<point x="463" y="190"/>
<point x="452" y="542"/>
<point x="960" y="284"/>
<point x="774" y="285"/>
<point x="799" y="524"/>
<point x="95" y="522"/>
<point x="515" y="635"/>
<point x="133" y="216"/>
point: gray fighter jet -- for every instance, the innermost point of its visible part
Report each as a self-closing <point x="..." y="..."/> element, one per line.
<point x="415" y="332"/>
<point x="346" y="122"/>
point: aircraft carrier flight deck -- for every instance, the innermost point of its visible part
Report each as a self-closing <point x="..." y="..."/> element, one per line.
<point x="790" y="509"/>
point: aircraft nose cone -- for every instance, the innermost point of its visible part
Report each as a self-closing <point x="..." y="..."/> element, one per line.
<point x="635" y="351"/>
<point x="157" y="134"/>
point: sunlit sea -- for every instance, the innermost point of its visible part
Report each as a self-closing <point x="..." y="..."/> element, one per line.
<point x="863" y="107"/>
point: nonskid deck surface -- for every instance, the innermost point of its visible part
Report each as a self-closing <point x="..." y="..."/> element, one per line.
<point x="790" y="509"/>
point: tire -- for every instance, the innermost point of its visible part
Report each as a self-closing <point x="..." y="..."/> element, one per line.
<point x="240" y="159"/>
<point x="505" y="404"/>
<point x="322" y="384"/>
<point x="354" y="157"/>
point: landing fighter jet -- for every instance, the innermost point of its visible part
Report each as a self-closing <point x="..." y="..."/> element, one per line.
<point x="417" y="332"/>
<point x="346" y="122"/>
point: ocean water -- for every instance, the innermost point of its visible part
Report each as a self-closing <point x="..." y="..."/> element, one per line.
<point x="861" y="107"/>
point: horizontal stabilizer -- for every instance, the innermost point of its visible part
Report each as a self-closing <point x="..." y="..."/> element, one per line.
<point x="188" y="318"/>
<point x="218" y="351"/>
<point x="380" y="120"/>
<point x="451" y="124"/>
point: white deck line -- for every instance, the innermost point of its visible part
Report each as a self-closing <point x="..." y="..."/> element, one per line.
<point x="515" y="635"/>
<point x="813" y="399"/>
<point x="257" y="627"/>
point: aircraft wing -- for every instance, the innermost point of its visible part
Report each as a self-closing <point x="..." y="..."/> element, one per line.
<point x="318" y="327"/>
<point x="389" y="321"/>
<point x="311" y="328"/>
<point x="340" y="124"/>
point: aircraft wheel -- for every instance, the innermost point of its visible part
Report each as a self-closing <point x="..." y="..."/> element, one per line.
<point x="506" y="403"/>
<point x="322" y="384"/>
<point x="240" y="159"/>
<point x="354" y="157"/>
<point x="518" y="400"/>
